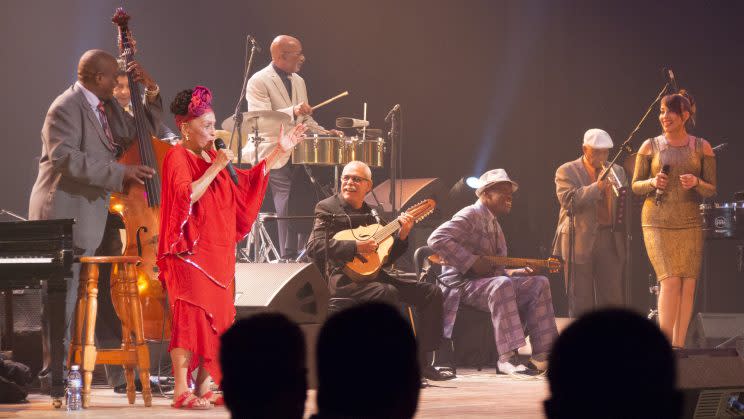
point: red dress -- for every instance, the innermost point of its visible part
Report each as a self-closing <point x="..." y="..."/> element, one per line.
<point x="196" y="252"/>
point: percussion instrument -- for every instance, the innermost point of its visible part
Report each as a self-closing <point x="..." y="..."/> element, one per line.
<point x="321" y="150"/>
<point x="370" y="151"/>
<point x="265" y="123"/>
<point x="720" y="220"/>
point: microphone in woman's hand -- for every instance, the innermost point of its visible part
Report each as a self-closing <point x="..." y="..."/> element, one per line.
<point x="218" y="144"/>
<point x="660" y="192"/>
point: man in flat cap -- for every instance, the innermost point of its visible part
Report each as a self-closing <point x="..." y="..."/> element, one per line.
<point x="598" y="247"/>
<point x="519" y="302"/>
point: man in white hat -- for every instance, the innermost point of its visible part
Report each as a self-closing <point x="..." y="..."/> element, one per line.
<point x="516" y="299"/>
<point x="598" y="246"/>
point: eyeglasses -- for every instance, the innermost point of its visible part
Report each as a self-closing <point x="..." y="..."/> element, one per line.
<point x="355" y="179"/>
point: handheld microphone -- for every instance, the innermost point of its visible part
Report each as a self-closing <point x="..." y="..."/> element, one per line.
<point x="376" y="215"/>
<point x="660" y="192"/>
<point x="392" y="111"/>
<point x="253" y="42"/>
<point x="218" y="144"/>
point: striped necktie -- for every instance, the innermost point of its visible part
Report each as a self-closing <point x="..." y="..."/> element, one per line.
<point x="105" y="124"/>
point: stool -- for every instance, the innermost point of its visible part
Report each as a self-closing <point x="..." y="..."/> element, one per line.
<point x="133" y="352"/>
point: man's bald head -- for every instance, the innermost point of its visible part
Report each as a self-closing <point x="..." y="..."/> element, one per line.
<point x="97" y="72"/>
<point x="286" y="53"/>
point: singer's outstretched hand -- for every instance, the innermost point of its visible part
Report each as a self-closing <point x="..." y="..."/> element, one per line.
<point x="288" y="140"/>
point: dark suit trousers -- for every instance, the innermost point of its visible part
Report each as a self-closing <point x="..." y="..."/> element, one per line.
<point x="426" y="299"/>
<point x="598" y="283"/>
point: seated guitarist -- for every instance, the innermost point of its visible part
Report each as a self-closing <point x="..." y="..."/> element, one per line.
<point x="518" y="301"/>
<point x="356" y="182"/>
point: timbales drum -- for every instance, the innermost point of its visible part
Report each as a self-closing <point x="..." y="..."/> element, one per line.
<point x="321" y="150"/>
<point x="370" y="151"/>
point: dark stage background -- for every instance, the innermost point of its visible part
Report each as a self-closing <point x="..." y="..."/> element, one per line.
<point x="482" y="84"/>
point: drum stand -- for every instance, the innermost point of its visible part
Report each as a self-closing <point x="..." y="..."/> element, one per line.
<point x="263" y="248"/>
<point x="653" y="289"/>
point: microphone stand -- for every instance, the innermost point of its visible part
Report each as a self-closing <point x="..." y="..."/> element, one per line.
<point x="237" y="115"/>
<point x="3" y="211"/>
<point x="237" y="127"/>
<point x="394" y="151"/>
<point x="571" y="256"/>
<point x="625" y="147"/>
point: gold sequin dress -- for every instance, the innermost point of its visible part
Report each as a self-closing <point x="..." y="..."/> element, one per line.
<point x="673" y="230"/>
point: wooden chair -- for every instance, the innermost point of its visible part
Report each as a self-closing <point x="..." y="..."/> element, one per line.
<point x="133" y="352"/>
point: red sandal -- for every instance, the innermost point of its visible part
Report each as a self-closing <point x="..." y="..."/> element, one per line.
<point x="181" y="402"/>
<point x="217" y="401"/>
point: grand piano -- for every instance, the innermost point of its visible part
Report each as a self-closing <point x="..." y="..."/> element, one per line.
<point x="39" y="254"/>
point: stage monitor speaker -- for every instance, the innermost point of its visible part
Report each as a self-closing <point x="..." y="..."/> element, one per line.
<point x="711" y="329"/>
<point x="296" y="290"/>
<point x="712" y="381"/>
<point x="409" y="192"/>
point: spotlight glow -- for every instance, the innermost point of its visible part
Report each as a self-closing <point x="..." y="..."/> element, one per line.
<point x="473" y="182"/>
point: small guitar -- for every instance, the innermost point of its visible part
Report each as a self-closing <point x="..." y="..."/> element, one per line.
<point x="551" y="264"/>
<point x="366" y="266"/>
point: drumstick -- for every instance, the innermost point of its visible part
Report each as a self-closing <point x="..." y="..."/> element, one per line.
<point x="338" y="96"/>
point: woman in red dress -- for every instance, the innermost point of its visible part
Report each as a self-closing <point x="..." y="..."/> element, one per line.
<point x="203" y="215"/>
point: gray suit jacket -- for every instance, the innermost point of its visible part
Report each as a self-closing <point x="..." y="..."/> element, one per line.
<point x="78" y="168"/>
<point x="572" y="178"/>
<point x="267" y="92"/>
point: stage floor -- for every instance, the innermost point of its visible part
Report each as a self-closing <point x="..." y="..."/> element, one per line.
<point x="473" y="394"/>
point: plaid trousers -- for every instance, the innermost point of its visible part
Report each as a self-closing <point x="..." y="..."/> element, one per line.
<point x="519" y="306"/>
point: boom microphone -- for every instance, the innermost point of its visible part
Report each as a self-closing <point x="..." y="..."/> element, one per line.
<point x="660" y="192"/>
<point x="669" y="74"/>
<point x="253" y="42"/>
<point x="392" y="111"/>
<point x="218" y="144"/>
<point x="376" y="215"/>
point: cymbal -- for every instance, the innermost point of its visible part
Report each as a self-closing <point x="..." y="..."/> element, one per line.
<point x="268" y="123"/>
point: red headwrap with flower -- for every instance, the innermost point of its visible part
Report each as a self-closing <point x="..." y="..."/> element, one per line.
<point x="201" y="103"/>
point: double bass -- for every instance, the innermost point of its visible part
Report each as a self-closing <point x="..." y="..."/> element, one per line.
<point x="139" y="205"/>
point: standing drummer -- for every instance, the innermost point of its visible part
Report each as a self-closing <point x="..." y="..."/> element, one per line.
<point x="278" y="87"/>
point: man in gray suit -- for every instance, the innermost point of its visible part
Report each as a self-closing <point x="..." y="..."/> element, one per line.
<point x="599" y="247"/>
<point x="278" y="87"/>
<point x="83" y="133"/>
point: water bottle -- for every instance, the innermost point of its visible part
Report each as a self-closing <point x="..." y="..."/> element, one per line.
<point x="74" y="387"/>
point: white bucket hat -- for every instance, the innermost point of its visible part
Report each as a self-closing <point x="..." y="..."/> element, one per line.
<point x="493" y="177"/>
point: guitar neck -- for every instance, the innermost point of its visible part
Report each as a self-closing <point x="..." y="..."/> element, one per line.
<point x="518" y="262"/>
<point x="386" y="231"/>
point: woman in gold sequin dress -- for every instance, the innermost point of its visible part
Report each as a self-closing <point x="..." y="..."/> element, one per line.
<point x="672" y="230"/>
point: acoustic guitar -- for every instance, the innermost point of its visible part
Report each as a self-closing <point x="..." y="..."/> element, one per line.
<point x="552" y="264"/>
<point x="366" y="266"/>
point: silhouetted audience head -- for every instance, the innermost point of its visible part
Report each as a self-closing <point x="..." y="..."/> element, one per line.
<point x="367" y="364"/>
<point x="612" y="364"/>
<point x="263" y="367"/>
